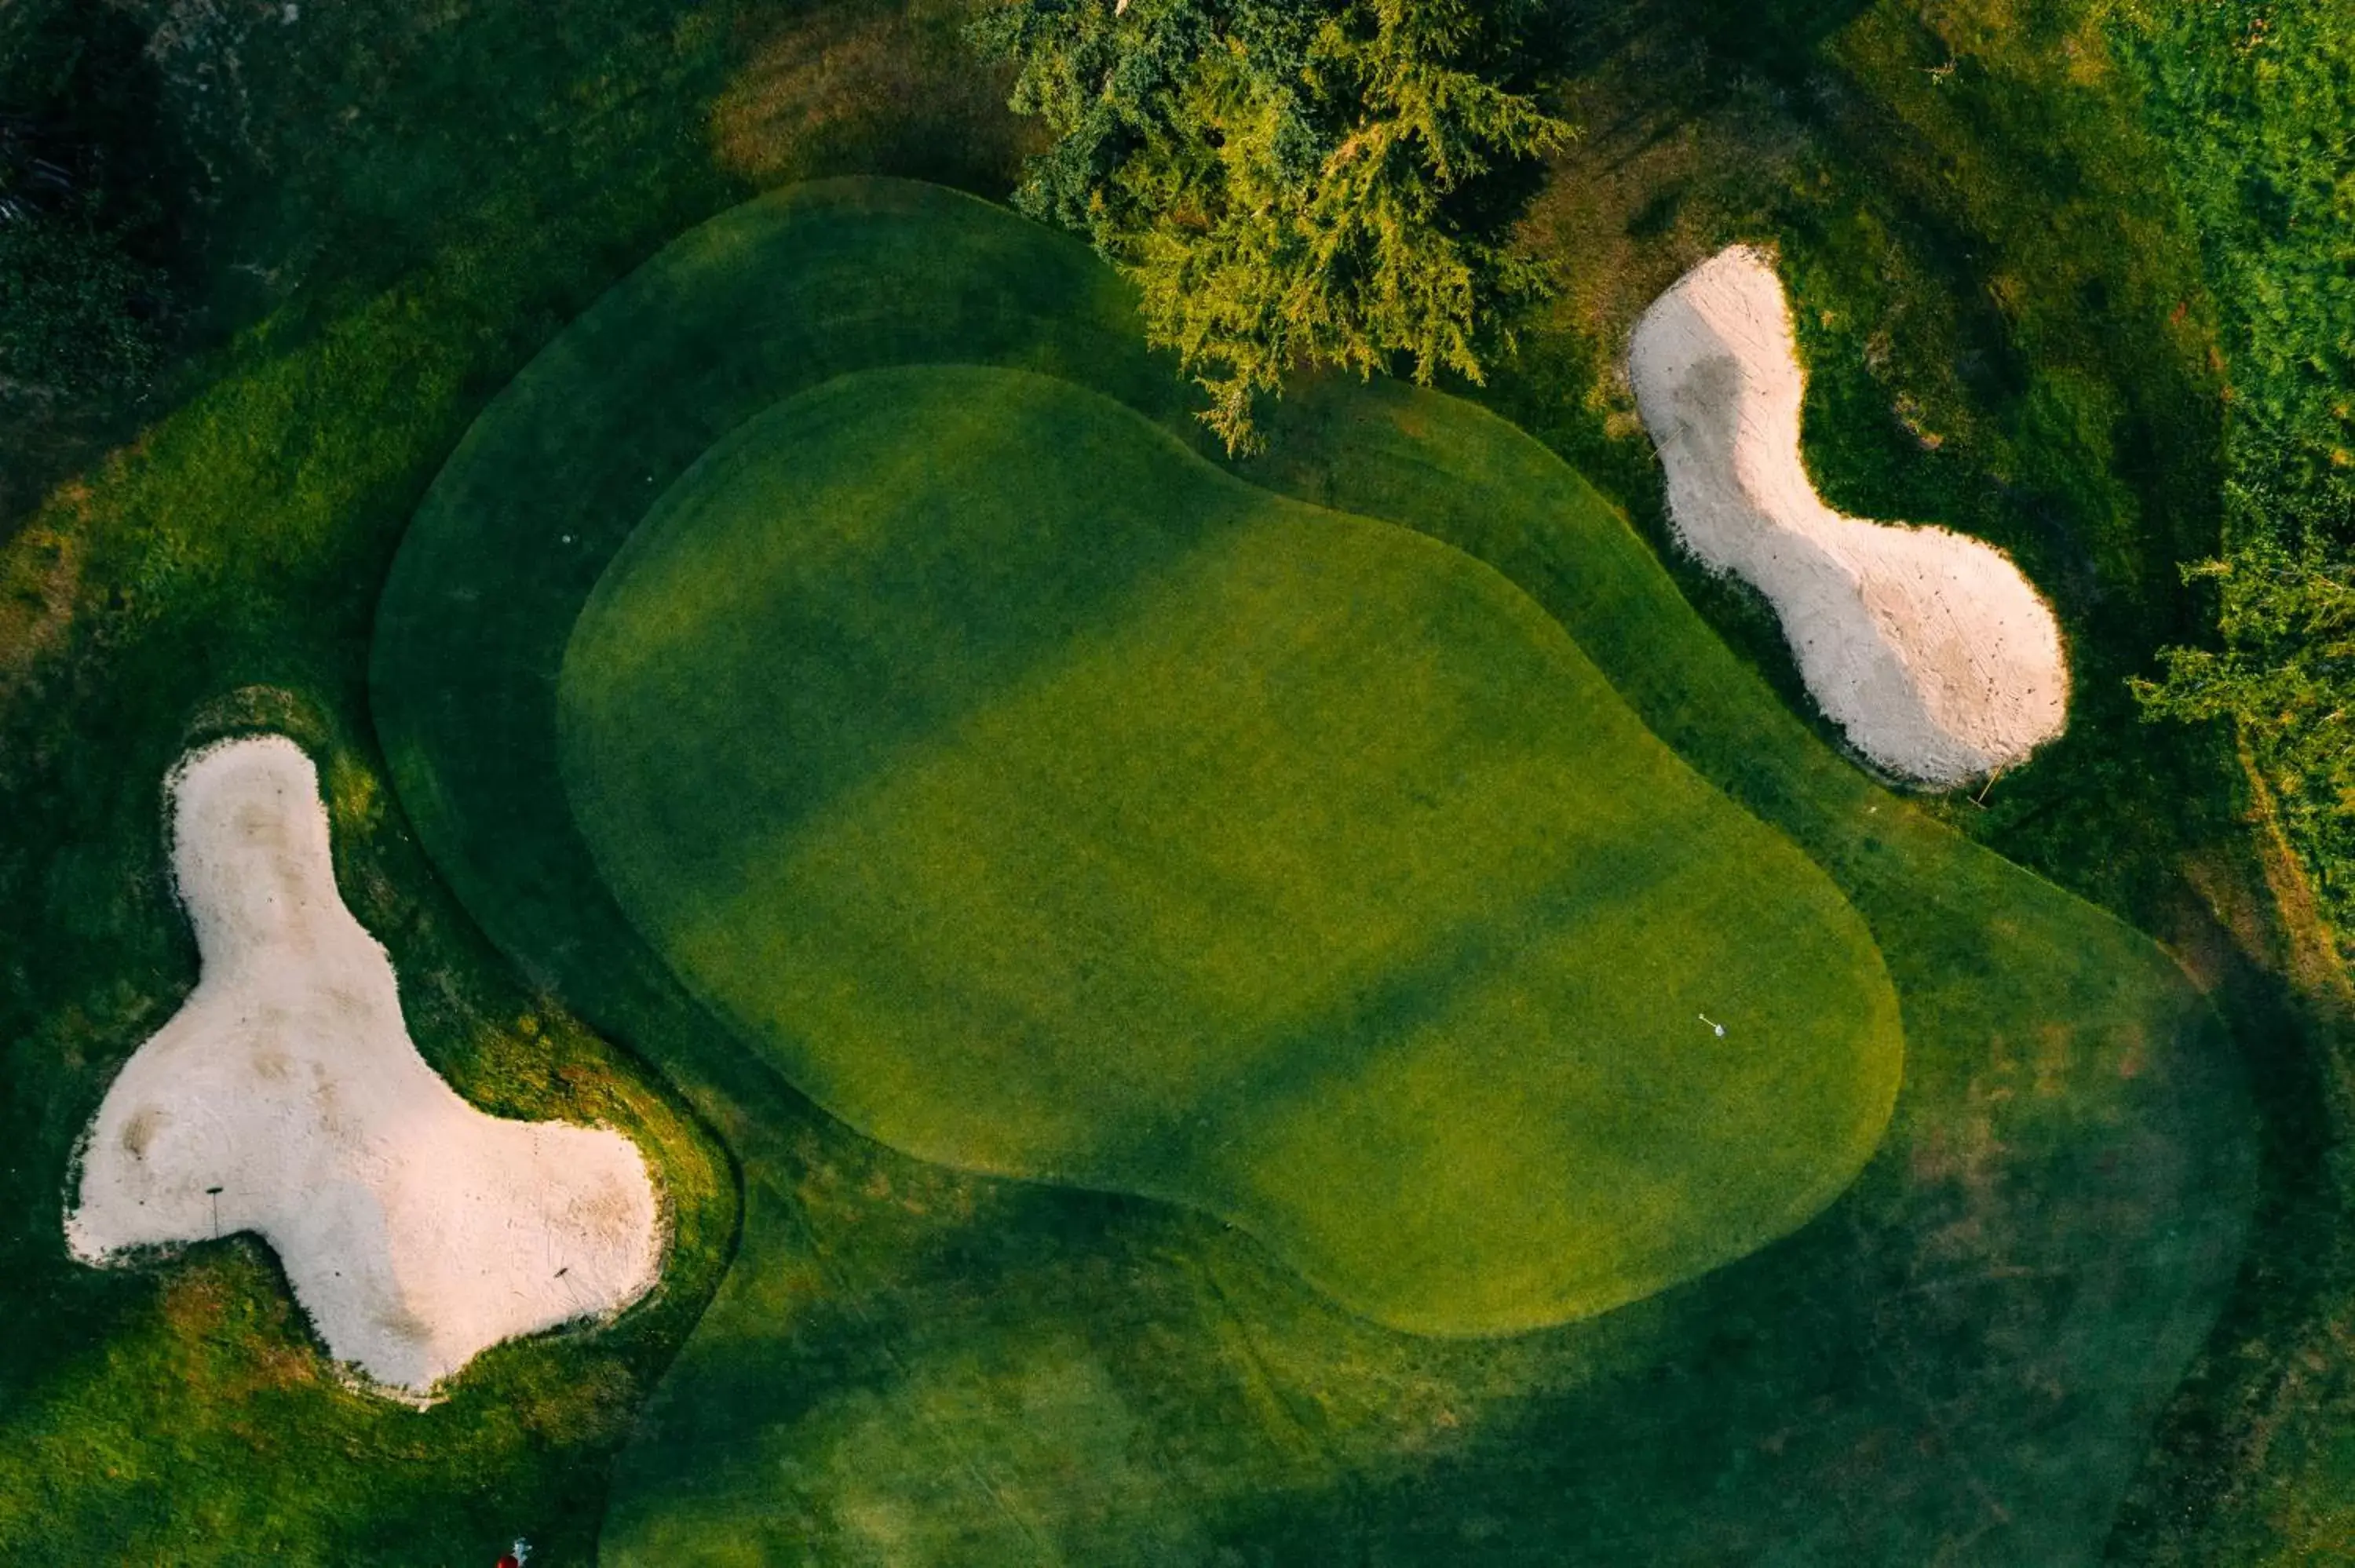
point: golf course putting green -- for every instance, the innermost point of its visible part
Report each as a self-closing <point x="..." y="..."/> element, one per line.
<point x="1960" y="1361"/>
<point x="1045" y="801"/>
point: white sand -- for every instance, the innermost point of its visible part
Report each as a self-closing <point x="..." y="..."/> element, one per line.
<point x="416" y="1230"/>
<point x="1930" y="649"/>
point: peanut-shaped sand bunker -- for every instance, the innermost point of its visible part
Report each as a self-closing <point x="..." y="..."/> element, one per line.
<point x="286" y="1098"/>
<point x="1928" y="648"/>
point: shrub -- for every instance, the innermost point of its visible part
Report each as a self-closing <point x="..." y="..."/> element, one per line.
<point x="1288" y="182"/>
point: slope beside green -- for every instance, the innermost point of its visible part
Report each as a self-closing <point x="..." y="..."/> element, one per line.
<point x="1047" y="802"/>
<point x="1959" y="1360"/>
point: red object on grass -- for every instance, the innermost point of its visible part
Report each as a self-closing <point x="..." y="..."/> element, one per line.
<point x="507" y="1560"/>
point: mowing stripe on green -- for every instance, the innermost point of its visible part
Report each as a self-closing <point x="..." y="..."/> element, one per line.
<point x="1045" y="801"/>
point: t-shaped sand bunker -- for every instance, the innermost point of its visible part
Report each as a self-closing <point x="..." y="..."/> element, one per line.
<point x="1928" y="648"/>
<point x="286" y="1098"/>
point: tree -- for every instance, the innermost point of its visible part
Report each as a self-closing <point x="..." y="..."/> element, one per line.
<point x="2285" y="675"/>
<point x="76" y="313"/>
<point x="79" y="309"/>
<point x="1288" y="182"/>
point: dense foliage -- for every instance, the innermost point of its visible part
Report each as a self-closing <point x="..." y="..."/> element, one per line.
<point x="79" y="308"/>
<point x="2258" y="106"/>
<point x="75" y="310"/>
<point x="1288" y="182"/>
<point x="2285" y="675"/>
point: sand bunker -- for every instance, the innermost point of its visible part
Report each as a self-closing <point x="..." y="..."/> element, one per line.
<point x="286" y="1098"/>
<point x="1928" y="648"/>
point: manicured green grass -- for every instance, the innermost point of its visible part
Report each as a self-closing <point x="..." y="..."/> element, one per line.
<point x="906" y="1362"/>
<point x="1045" y="801"/>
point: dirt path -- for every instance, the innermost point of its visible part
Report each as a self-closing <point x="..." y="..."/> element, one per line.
<point x="286" y="1098"/>
<point x="1930" y="649"/>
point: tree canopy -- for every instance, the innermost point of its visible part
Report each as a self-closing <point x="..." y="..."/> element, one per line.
<point x="1288" y="182"/>
<point x="79" y="300"/>
<point x="73" y="306"/>
<point x="2285" y="673"/>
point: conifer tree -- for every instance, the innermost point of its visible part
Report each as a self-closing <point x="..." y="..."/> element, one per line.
<point x="2285" y="673"/>
<point x="1288" y="182"/>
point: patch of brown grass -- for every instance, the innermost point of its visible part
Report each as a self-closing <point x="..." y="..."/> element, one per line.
<point x="1646" y="190"/>
<point x="40" y="569"/>
<point x="2315" y="960"/>
<point x="874" y="89"/>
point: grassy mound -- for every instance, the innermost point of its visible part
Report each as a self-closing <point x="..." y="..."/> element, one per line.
<point x="909" y="1364"/>
<point x="1047" y="802"/>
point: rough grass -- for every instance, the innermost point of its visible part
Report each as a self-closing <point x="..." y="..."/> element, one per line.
<point x="1045" y="802"/>
<point x="2254" y="106"/>
<point x="1963" y="1355"/>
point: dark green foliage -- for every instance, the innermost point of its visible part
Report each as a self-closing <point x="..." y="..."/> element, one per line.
<point x="1288" y="182"/>
<point x="2285" y="675"/>
<point x="2255" y="101"/>
<point x="77" y="313"/>
<point x="80" y="305"/>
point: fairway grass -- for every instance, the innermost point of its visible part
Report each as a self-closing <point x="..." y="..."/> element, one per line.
<point x="909" y="1364"/>
<point x="1044" y="801"/>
